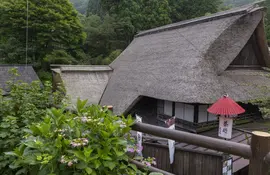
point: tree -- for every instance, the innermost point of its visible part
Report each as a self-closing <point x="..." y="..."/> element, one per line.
<point x="100" y="35"/>
<point x="155" y="13"/>
<point x="106" y="38"/>
<point x="80" y="5"/>
<point x="143" y="14"/>
<point x="187" y="9"/>
<point x="52" y="25"/>
<point x="237" y="3"/>
<point x="94" y="8"/>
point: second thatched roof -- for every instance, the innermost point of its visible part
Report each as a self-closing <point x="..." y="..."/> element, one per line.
<point x="84" y="82"/>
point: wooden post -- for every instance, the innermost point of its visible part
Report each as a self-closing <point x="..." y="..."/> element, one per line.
<point x="260" y="146"/>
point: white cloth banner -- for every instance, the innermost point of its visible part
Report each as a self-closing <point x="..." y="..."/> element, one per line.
<point x="227" y="167"/>
<point x="139" y="135"/>
<point x="225" y="127"/>
<point x="171" y="144"/>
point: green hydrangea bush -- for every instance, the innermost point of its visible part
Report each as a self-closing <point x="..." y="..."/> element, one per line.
<point x="39" y="136"/>
<point x="88" y="141"/>
<point x="23" y="104"/>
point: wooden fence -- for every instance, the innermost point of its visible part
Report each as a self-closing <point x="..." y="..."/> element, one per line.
<point x="257" y="152"/>
<point x="186" y="162"/>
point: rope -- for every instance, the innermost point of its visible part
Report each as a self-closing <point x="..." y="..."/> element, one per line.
<point x="26" y="42"/>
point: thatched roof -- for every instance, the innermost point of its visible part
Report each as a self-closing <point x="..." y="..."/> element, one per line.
<point x="26" y="74"/>
<point x="188" y="61"/>
<point x="84" y="82"/>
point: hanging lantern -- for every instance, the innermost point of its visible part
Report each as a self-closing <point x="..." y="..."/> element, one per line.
<point x="226" y="109"/>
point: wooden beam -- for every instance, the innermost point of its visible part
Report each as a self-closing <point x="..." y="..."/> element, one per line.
<point x="260" y="146"/>
<point x="150" y="168"/>
<point x="196" y="113"/>
<point x="195" y="139"/>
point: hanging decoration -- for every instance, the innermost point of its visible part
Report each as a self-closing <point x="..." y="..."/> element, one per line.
<point x="171" y="143"/>
<point x="139" y="136"/>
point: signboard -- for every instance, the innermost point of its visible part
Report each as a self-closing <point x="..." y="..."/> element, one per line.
<point x="139" y="135"/>
<point x="171" y="143"/>
<point x="225" y="127"/>
<point x="227" y="167"/>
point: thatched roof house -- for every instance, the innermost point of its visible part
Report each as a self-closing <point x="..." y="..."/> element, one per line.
<point x="84" y="82"/>
<point x="26" y="74"/>
<point x="193" y="62"/>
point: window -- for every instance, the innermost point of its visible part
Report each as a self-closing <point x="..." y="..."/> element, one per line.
<point x="212" y="117"/>
<point x="179" y="110"/>
<point x="189" y="113"/>
<point x="184" y="111"/>
<point x="203" y="114"/>
<point x="168" y="108"/>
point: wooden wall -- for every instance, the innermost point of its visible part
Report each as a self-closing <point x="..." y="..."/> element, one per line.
<point x="187" y="162"/>
<point x="147" y="109"/>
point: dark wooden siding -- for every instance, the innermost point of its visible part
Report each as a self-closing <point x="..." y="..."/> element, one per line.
<point x="250" y="55"/>
<point x="187" y="161"/>
<point x="147" y="109"/>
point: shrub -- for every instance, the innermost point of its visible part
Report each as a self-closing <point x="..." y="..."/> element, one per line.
<point x="88" y="141"/>
<point x="24" y="104"/>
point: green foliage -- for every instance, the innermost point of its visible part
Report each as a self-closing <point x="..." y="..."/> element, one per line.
<point x="80" y="5"/>
<point x="94" y="8"/>
<point x="44" y="76"/>
<point x="53" y="25"/>
<point x="26" y="103"/>
<point x="142" y="14"/>
<point x="100" y="35"/>
<point x="59" y="57"/>
<point x="264" y="102"/>
<point x="106" y="37"/>
<point x="88" y="141"/>
<point x="237" y="3"/>
<point x="113" y="55"/>
<point x="264" y="106"/>
<point x="186" y="9"/>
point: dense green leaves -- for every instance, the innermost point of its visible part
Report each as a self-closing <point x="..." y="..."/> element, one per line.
<point x="88" y="141"/>
<point x="26" y="103"/>
<point x="80" y="5"/>
<point x="186" y="9"/>
<point x="237" y="3"/>
<point x="94" y="8"/>
<point x="52" y="25"/>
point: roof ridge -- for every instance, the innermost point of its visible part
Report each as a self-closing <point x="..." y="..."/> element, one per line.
<point x="233" y="12"/>
<point x="72" y="65"/>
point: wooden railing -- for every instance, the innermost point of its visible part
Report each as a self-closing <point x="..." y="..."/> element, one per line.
<point x="257" y="152"/>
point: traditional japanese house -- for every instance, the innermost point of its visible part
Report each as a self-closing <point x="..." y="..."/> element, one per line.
<point x="179" y="70"/>
<point x="182" y="68"/>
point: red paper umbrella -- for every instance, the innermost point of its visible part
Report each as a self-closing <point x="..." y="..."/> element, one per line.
<point x="226" y="106"/>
